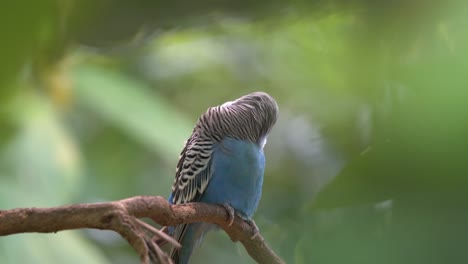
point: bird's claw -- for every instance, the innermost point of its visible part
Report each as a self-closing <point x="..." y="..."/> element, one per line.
<point x="231" y="216"/>
<point x="251" y="222"/>
<point x="231" y="213"/>
<point x="159" y="240"/>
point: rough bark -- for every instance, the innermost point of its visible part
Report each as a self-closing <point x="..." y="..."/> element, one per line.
<point x="122" y="217"/>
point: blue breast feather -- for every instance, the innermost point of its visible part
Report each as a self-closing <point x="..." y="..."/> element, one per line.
<point x="237" y="180"/>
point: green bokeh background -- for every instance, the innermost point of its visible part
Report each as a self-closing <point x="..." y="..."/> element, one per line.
<point x="368" y="161"/>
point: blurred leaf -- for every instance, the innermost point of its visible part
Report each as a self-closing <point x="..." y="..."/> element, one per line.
<point x="41" y="167"/>
<point x="351" y="235"/>
<point x="26" y="27"/>
<point x="63" y="247"/>
<point x="364" y="180"/>
<point x="127" y="103"/>
<point x="41" y="159"/>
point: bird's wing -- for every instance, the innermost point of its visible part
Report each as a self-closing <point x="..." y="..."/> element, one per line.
<point x="193" y="170"/>
<point x="192" y="176"/>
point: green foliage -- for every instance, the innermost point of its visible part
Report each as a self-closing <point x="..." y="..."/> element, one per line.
<point x="41" y="168"/>
<point x="149" y="118"/>
<point x="366" y="164"/>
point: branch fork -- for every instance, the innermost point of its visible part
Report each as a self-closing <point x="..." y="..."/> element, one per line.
<point x="123" y="217"/>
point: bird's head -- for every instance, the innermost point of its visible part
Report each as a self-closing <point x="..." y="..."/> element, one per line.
<point x="250" y="117"/>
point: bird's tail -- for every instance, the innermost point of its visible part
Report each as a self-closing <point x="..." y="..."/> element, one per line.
<point x="189" y="236"/>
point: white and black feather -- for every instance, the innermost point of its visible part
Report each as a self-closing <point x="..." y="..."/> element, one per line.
<point x="193" y="170"/>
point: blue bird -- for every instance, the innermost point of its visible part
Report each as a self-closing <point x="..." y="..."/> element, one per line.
<point x="223" y="163"/>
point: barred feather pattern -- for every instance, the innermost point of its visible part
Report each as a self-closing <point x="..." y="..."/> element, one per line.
<point x="193" y="170"/>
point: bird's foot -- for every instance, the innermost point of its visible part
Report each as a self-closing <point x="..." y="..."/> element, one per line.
<point x="231" y="213"/>
<point x="251" y="222"/>
<point x="159" y="240"/>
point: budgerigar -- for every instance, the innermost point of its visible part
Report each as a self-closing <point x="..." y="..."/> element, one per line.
<point x="223" y="163"/>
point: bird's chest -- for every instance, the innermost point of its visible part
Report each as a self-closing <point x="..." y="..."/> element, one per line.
<point x="237" y="168"/>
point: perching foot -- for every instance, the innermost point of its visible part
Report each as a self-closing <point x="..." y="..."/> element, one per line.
<point x="231" y="213"/>
<point x="251" y="222"/>
<point x="160" y="241"/>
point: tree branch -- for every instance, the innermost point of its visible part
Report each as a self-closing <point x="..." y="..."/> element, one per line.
<point x="122" y="217"/>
